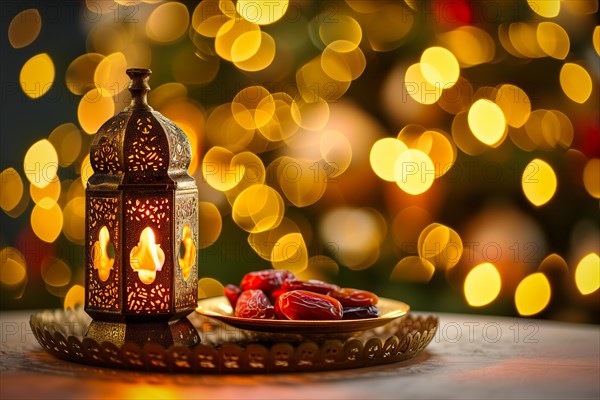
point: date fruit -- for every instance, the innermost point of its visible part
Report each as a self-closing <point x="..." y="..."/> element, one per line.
<point x="312" y="285"/>
<point x="354" y="297"/>
<point x="266" y="280"/>
<point x="278" y="294"/>
<point x="233" y="293"/>
<point x="301" y="304"/>
<point x="254" y="304"/>
<point x="275" y="295"/>
<point x="361" y="312"/>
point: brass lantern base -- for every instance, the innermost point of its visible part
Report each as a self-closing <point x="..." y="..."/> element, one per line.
<point x="164" y="333"/>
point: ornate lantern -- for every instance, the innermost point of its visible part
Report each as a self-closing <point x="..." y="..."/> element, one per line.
<point x="142" y="225"/>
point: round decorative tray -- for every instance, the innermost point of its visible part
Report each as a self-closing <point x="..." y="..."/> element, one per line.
<point x="226" y="349"/>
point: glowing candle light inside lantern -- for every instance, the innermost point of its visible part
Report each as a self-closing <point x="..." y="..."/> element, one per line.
<point x="102" y="261"/>
<point x="189" y="257"/>
<point x="147" y="257"/>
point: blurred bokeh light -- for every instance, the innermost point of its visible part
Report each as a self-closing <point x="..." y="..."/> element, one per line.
<point x="445" y="155"/>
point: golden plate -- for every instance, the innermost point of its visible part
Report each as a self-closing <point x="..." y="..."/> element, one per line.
<point x="220" y="309"/>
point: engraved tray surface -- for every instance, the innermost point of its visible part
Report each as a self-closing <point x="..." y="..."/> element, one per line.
<point x="225" y="349"/>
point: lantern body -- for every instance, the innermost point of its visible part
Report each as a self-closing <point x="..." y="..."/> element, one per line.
<point x="141" y="213"/>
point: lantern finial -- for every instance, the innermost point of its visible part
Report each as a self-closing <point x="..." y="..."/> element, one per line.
<point x="139" y="87"/>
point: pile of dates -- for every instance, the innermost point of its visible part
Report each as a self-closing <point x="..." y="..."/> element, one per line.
<point x="277" y="294"/>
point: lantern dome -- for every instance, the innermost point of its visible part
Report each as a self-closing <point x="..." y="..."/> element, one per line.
<point x="139" y="145"/>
